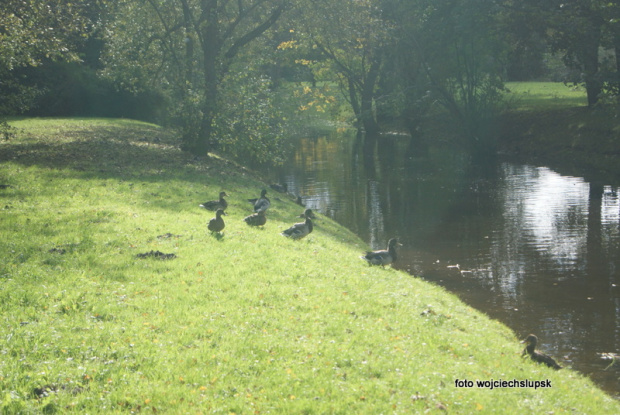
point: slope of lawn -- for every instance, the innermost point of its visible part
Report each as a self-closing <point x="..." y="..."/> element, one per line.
<point x="244" y="322"/>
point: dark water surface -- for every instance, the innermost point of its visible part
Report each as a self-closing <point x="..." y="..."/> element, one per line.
<point x="535" y="249"/>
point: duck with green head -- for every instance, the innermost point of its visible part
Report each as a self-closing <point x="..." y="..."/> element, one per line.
<point x="308" y="213"/>
<point x="262" y="203"/>
<point x="299" y="230"/>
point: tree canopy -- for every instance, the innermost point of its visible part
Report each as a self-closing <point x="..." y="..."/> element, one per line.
<point x="224" y="70"/>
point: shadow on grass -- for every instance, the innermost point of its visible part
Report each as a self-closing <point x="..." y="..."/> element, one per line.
<point x="114" y="151"/>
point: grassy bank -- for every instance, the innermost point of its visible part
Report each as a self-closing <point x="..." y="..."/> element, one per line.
<point x="549" y="123"/>
<point x="249" y="322"/>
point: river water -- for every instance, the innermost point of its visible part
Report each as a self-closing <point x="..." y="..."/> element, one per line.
<point x="535" y="249"/>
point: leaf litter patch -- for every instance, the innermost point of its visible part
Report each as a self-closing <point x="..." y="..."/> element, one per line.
<point x="156" y="254"/>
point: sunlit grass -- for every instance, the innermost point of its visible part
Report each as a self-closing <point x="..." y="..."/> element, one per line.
<point x="251" y="322"/>
<point x="545" y="95"/>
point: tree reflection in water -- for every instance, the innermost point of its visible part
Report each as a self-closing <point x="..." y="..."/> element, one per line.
<point x="535" y="249"/>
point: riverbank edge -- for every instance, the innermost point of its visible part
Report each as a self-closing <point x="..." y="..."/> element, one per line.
<point x="578" y="141"/>
<point x="441" y="339"/>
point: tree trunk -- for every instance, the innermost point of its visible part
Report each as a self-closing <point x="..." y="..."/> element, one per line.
<point x="211" y="48"/>
<point x="355" y="105"/>
<point x="594" y="85"/>
<point x="368" y="94"/>
<point x="616" y="38"/>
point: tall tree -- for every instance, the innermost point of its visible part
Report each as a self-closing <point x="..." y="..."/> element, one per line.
<point x="32" y="32"/>
<point x="187" y="47"/>
<point x="576" y="30"/>
<point x="352" y="35"/>
<point x="449" y="53"/>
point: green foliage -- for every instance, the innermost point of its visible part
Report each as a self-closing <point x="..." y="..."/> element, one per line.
<point x="6" y="130"/>
<point x="249" y="322"/>
<point x="186" y="50"/>
<point x="251" y="127"/>
<point x="32" y="32"/>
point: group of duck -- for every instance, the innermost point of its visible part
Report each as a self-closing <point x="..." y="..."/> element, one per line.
<point x="381" y="257"/>
<point x="300" y="230"/>
<point x="258" y="218"/>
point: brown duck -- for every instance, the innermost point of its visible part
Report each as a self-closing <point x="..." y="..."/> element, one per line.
<point x="256" y="219"/>
<point x="216" y="204"/>
<point x="217" y="223"/>
<point x="536" y="356"/>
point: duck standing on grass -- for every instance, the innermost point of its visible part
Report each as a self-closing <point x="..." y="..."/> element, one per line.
<point x="262" y="203"/>
<point x="382" y="257"/>
<point x="217" y="223"/>
<point x="299" y="230"/>
<point x="256" y="219"/>
<point x="539" y="357"/>
<point x="216" y="204"/>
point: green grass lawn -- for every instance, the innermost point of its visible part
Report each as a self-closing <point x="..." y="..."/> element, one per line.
<point x="545" y="95"/>
<point x="248" y="322"/>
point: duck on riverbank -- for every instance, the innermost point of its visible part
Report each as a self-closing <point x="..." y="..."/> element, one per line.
<point x="217" y="223"/>
<point x="262" y="203"/>
<point x="299" y="230"/>
<point x="216" y="204"/>
<point x="382" y="257"/>
<point x="256" y="219"/>
<point x="537" y="356"/>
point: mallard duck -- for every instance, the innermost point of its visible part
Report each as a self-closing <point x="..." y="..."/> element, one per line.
<point x="280" y="188"/>
<point x="536" y="356"/>
<point x="382" y="257"/>
<point x="299" y="230"/>
<point x="262" y="203"/>
<point x="217" y="223"/>
<point x="216" y="204"/>
<point x="308" y="213"/>
<point x="256" y="219"/>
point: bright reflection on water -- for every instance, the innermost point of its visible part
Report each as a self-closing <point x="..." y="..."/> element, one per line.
<point x="535" y="249"/>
